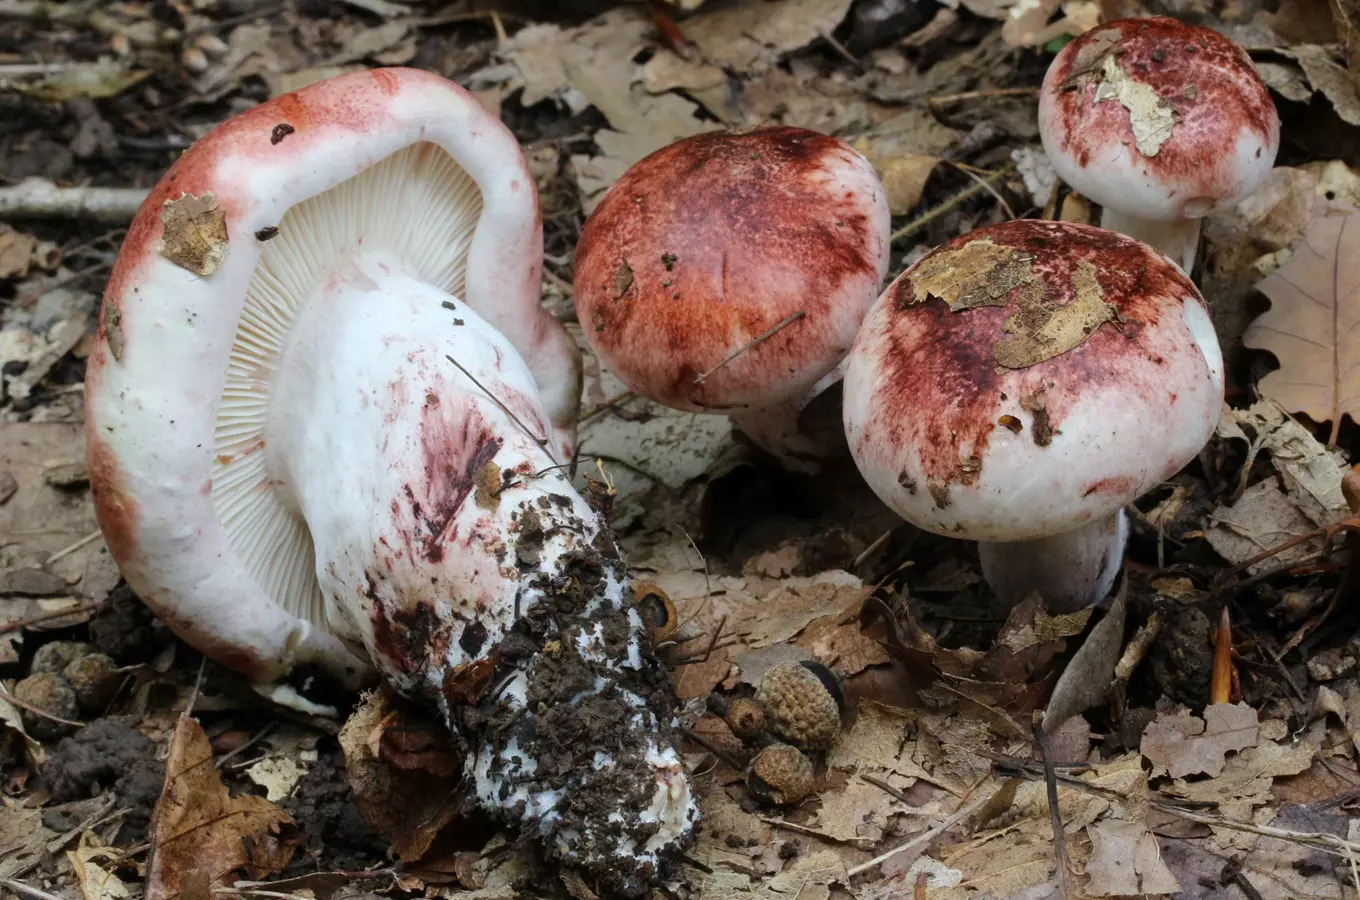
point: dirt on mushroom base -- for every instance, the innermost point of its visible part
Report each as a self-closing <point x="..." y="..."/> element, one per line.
<point x="599" y="708"/>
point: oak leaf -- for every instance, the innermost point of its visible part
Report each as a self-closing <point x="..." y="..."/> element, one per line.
<point x="1312" y="321"/>
<point x="199" y="827"/>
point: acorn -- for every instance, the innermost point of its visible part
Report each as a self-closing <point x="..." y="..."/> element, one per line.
<point x="780" y="775"/>
<point x="94" y="678"/>
<point x="745" y="718"/>
<point x="52" y="694"/>
<point x="657" y="611"/>
<point x="803" y="703"/>
<point x="55" y="656"/>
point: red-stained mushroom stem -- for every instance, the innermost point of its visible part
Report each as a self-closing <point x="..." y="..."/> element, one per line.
<point x="414" y="480"/>
<point x="1071" y="570"/>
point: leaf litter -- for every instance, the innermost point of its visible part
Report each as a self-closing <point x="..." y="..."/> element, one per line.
<point x="942" y="689"/>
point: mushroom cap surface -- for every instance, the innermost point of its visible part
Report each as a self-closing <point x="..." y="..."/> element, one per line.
<point x="709" y="243"/>
<point x="1158" y="119"/>
<point x="1027" y="378"/>
<point x="169" y="444"/>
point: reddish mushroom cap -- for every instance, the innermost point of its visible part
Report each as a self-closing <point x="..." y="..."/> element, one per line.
<point x="1158" y="119"/>
<point x="1028" y="378"/>
<point x="713" y="241"/>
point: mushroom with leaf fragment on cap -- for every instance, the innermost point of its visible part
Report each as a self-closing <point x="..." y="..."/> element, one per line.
<point x="728" y="273"/>
<point x="327" y="419"/>
<point x="1020" y="384"/>
<point x="1161" y="123"/>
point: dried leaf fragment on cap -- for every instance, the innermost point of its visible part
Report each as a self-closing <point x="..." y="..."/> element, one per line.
<point x="195" y="236"/>
<point x="1041" y="332"/>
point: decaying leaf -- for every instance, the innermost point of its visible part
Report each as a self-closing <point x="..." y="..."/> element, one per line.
<point x="1183" y="744"/>
<point x="1329" y="77"/>
<point x="1262" y="518"/>
<point x="195" y="236"/>
<point x="277" y="775"/>
<point x="1040" y="331"/>
<point x="199" y="827"/>
<point x="1126" y="861"/>
<point x="89" y="861"/>
<point x="1150" y="117"/>
<point x="406" y="806"/>
<point x="1311" y="322"/>
<point x="980" y="273"/>
<point x="1087" y="677"/>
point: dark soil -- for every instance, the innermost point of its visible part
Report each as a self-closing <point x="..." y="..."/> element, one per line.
<point x="110" y="754"/>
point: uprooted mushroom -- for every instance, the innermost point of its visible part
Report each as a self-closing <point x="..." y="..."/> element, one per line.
<point x="328" y="423"/>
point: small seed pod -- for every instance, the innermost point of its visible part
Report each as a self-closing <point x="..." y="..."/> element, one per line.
<point x="657" y="611"/>
<point x="94" y="678"/>
<point x="745" y="718"/>
<point x="780" y="774"/>
<point x="802" y="704"/>
<point x="55" y="656"/>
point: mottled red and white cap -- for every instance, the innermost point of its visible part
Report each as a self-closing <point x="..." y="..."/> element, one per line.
<point x="709" y="244"/>
<point x="247" y="226"/>
<point x="1029" y="378"/>
<point x="1158" y="119"/>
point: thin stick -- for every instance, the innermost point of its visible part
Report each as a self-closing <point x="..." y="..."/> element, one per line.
<point x="542" y="442"/>
<point x="925" y="837"/>
<point x="607" y="405"/>
<point x="198" y="684"/>
<point x="255" y="739"/>
<point x="885" y="787"/>
<point x="20" y="888"/>
<point x="782" y="324"/>
<point x="712" y="748"/>
<point x="836" y="45"/>
<point x="862" y="843"/>
<point x="37" y="710"/>
<point x="947" y="99"/>
<point x="931" y="215"/>
<point x="559" y="282"/>
<point x="9" y="627"/>
<point x="72" y="548"/>
<point x="1054" y="815"/>
<point x="991" y="190"/>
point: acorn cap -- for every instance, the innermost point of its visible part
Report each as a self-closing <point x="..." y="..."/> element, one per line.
<point x="745" y="718"/>
<point x="780" y="774"/>
<point x="657" y="611"/>
<point x="802" y="704"/>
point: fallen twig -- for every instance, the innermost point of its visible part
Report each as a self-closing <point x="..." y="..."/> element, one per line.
<point x="40" y="198"/>
<point x="962" y="197"/>
<point x="926" y="837"/>
<point x="779" y="326"/>
<point x="1054" y="815"/>
<point x="10" y="627"/>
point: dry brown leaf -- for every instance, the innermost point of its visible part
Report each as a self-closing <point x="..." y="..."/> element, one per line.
<point x="1329" y="78"/>
<point x="199" y="826"/>
<point x="96" y="882"/>
<point x="1310" y="326"/>
<point x="1262" y="518"/>
<point x="1247" y="777"/>
<point x="1126" y="861"/>
<point x="195" y="236"/>
<point x="407" y="807"/>
<point x="1184" y="744"/>
<point x="1309" y="471"/>
<point x="23" y="838"/>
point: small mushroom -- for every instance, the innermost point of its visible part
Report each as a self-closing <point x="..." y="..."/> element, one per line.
<point x="326" y="421"/>
<point x="1100" y="346"/>
<point x="1161" y="123"/>
<point x="728" y="272"/>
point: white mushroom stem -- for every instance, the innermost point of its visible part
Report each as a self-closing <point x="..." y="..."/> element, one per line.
<point x="442" y="525"/>
<point x="778" y="429"/>
<point x="1178" y="239"/>
<point x="1070" y="571"/>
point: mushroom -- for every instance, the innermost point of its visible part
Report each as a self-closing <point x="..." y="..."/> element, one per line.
<point x="1161" y="123"/>
<point x="1020" y="384"/>
<point x="326" y="423"/>
<point x="728" y="272"/>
